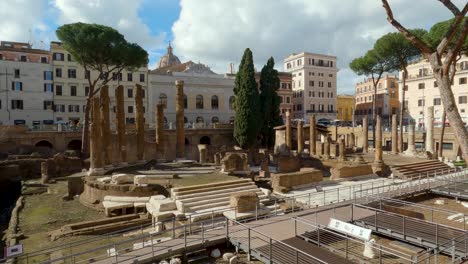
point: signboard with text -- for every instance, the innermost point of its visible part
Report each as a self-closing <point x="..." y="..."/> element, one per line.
<point x="13" y="250"/>
<point x="350" y="229"/>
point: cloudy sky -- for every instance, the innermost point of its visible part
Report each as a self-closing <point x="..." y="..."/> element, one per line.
<point x="215" y="32"/>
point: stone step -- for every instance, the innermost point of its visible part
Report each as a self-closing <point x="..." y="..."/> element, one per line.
<point x="221" y="192"/>
<point x="416" y="175"/>
<point x="211" y="205"/>
<point x="176" y="195"/>
<point x="216" y="199"/>
<point x="415" y="164"/>
<point x="204" y="187"/>
<point x="431" y="167"/>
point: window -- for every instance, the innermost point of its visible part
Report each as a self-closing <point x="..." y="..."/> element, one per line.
<point x="17" y="73"/>
<point x="447" y="146"/>
<point x="17" y="86"/>
<point x="320" y="84"/>
<point x="130" y="93"/>
<point x="462" y="99"/>
<point x="44" y="60"/>
<point x="330" y="75"/>
<point x="142" y="77"/>
<point x="214" y="102"/>
<point x="299" y="107"/>
<point x="48" y="105"/>
<point x="73" y="108"/>
<point x="437" y="101"/>
<point x="392" y="85"/>
<point x="311" y="83"/>
<point x="231" y="102"/>
<point x="380" y="86"/>
<point x="72" y="73"/>
<point x="185" y="102"/>
<point x="72" y="90"/>
<point x="129" y="77"/>
<point x="23" y="58"/>
<point x="462" y="80"/>
<point x="199" y="119"/>
<point x="117" y="76"/>
<point x="59" y="108"/>
<point x="214" y="120"/>
<point x="58" y="57"/>
<point x="48" y="87"/>
<point x="86" y="90"/>
<point x="421" y="85"/>
<point x="58" y="90"/>
<point x="48" y="76"/>
<point x="435" y="84"/>
<point x="58" y="72"/>
<point x="163" y="99"/>
<point x="130" y="109"/>
<point x="69" y="57"/>
<point x="299" y="62"/>
<point x="421" y="102"/>
<point x="16" y="104"/>
<point x="329" y="84"/>
<point x="199" y="102"/>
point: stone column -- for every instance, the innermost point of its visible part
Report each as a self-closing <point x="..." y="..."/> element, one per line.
<point x="394" y="134"/>
<point x="352" y="140"/>
<point x="120" y="114"/>
<point x="326" y="146"/>
<point x="159" y="127"/>
<point x="341" y="145"/>
<point x="411" y="150"/>
<point x="365" y="134"/>
<point x="180" y="129"/>
<point x="288" y="131"/>
<point x="140" y="122"/>
<point x="430" y="130"/>
<point x="312" y="136"/>
<point x="106" y="134"/>
<point x="378" y="140"/>
<point x="300" y="137"/>
<point x="96" y="164"/>
<point x="203" y="151"/>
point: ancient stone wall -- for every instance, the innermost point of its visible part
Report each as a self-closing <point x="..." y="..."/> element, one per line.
<point x="284" y="182"/>
<point x="351" y="170"/>
<point x="244" y="201"/>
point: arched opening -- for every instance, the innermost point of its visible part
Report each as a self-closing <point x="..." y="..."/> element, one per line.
<point x="200" y="119"/>
<point x="187" y="142"/>
<point x="44" y="143"/>
<point x="214" y="102"/>
<point x="163" y="99"/>
<point x="231" y="102"/>
<point x="74" y="145"/>
<point x="205" y="140"/>
<point x="214" y="120"/>
<point x="199" y="102"/>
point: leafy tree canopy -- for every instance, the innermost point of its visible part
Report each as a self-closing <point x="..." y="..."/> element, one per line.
<point x="438" y="32"/>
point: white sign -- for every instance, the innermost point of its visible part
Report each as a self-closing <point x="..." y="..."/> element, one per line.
<point x="14" y="250"/>
<point x="350" y="229"/>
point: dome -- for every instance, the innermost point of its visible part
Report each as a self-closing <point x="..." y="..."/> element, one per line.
<point x="169" y="59"/>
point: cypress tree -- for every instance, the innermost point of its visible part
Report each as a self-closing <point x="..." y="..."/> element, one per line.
<point x="246" y="125"/>
<point x="269" y="102"/>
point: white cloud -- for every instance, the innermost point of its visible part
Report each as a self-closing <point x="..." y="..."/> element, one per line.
<point x="119" y="14"/>
<point x="217" y="31"/>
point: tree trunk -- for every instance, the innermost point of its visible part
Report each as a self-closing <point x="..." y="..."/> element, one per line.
<point x="441" y="139"/>
<point x="402" y="110"/>
<point x="450" y="106"/>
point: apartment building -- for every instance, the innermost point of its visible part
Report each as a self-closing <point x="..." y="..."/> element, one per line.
<point x="345" y="105"/>
<point x="422" y="91"/>
<point x="71" y="87"/>
<point x="26" y="85"/>
<point x="387" y="102"/>
<point x="313" y="85"/>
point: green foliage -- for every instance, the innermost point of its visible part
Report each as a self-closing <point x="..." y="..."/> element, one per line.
<point x="269" y="103"/>
<point x="100" y="47"/>
<point x="247" y="123"/>
<point x="438" y="31"/>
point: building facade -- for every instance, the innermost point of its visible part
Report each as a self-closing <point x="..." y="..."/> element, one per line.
<point x="387" y="102"/>
<point x="26" y="85"/>
<point x="313" y="84"/>
<point x="345" y="105"/>
<point x="284" y="92"/>
<point x="71" y="88"/>
<point x="421" y="91"/>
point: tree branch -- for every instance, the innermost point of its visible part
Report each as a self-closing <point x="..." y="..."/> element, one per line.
<point x="454" y="52"/>
<point x="450" y="34"/>
<point x="425" y="49"/>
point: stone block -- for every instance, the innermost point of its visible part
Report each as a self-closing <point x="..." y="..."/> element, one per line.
<point x="348" y="171"/>
<point x="288" y="164"/>
<point x="122" y="179"/>
<point x="75" y="186"/>
<point x="244" y="201"/>
<point x="234" y="162"/>
<point x="163" y="205"/>
<point x="286" y="181"/>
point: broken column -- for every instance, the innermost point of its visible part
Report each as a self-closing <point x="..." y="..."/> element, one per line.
<point x="394" y="134"/>
<point x="180" y="129"/>
<point x="312" y="136"/>
<point x="326" y="146"/>
<point x="203" y="150"/>
<point x="288" y="131"/>
<point x="105" y="125"/>
<point x="430" y="130"/>
<point x="378" y="166"/>
<point x="365" y="134"/>
<point x="120" y="114"/>
<point x="159" y="133"/>
<point x="140" y="122"/>
<point x="300" y="137"/>
<point x="411" y="150"/>
<point x="352" y="140"/>
<point x="96" y="164"/>
<point x="341" y="147"/>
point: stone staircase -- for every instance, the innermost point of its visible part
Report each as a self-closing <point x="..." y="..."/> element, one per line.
<point x="205" y="198"/>
<point x="424" y="168"/>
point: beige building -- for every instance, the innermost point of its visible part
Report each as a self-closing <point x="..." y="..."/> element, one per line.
<point x="313" y="85"/>
<point x="422" y="91"/>
<point x="387" y="98"/>
<point x="345" y="105"/>
<point x="26" y="89"/>
<point x="71" y="87"/>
